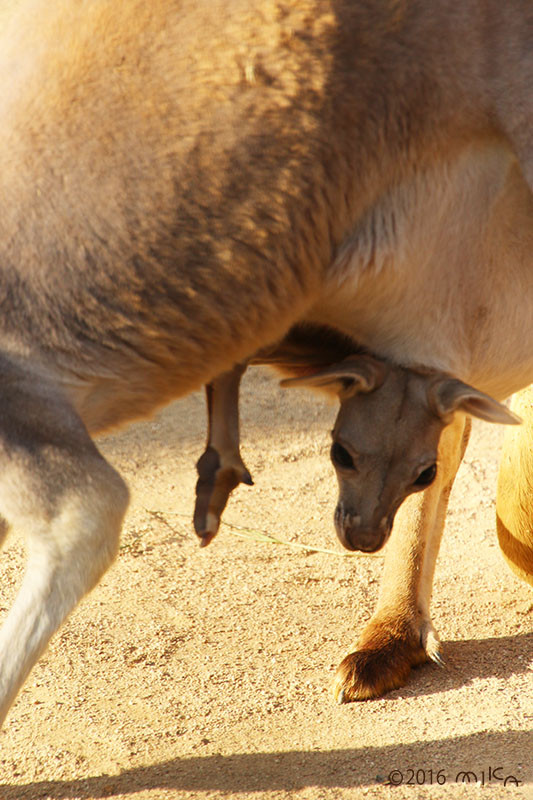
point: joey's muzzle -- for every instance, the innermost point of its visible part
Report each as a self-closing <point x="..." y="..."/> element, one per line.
<point x="355" y="535"/>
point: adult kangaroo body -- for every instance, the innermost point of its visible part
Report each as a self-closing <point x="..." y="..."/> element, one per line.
<point x="181" y="182"/>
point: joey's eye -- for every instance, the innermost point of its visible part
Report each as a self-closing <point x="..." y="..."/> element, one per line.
<point x="341" y="457"/>
<point x="426" y="477"/>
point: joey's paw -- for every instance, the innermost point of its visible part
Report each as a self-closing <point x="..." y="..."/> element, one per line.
<point x="383" y="659"/>
<point x="213" y="488"/>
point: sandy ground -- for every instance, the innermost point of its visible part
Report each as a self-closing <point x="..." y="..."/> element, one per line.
<point x="193" y="673"/>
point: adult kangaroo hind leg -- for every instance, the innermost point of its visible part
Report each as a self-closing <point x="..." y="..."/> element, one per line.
<point x="58" y="490"/>
<point x="514" y="506"/>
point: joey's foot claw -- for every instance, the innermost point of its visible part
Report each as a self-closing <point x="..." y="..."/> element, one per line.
<point x="207" y="537"/>
<point x="438" y="659"/>
<point x="382" y="662"/>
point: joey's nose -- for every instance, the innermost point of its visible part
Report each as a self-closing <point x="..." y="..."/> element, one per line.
<point x="355" y="535"/>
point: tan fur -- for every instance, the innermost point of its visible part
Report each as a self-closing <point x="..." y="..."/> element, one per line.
<point x="184" y="180"/>
<point x="514" y="508"/>
<point x="459" y="311"/>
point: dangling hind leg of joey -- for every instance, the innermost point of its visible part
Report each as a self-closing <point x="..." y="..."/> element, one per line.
<point x="220" y="468"/>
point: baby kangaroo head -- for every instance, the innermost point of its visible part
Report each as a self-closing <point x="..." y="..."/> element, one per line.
<point x="386" y="438"/>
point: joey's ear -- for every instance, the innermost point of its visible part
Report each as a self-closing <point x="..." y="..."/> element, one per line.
<point x="354" y="374"/>
<point x="448" y="395"/>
